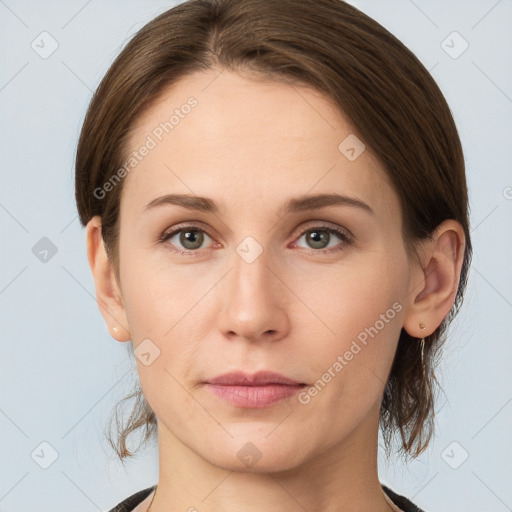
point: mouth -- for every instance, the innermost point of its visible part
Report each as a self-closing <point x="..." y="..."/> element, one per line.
<point x="262" y="389"/>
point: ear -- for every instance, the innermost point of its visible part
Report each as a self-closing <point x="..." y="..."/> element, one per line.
<point x="435" y="279"/>
<point x="108" y="292"/>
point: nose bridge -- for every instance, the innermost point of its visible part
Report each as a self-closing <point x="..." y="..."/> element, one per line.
<point x="251" y="301"/>
<point x="251" y="273"/>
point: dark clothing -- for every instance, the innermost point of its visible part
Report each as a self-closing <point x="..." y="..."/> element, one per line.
<point x="131" y="502"/>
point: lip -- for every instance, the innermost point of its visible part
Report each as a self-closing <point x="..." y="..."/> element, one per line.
<point x="262" y="389"/>
<point x="260" y="378"/>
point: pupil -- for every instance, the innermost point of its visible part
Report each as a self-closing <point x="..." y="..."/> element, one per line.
<point x="194" y="239"/>
<point x="191" y="239"/>
<point x="318" y="238"/>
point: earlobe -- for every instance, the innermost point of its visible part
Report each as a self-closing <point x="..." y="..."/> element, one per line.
<point x="434" y="283"/>
<point x="108" y="294"/>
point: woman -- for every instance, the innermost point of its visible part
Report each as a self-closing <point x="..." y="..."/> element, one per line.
<point x="276" y="217"/>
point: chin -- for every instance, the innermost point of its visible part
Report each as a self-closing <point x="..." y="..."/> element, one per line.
<point x="254" y="453"/>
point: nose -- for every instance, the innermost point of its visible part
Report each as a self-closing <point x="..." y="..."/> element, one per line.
<point x="254" y="300"/>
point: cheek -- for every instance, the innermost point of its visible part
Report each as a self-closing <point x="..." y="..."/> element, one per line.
<point x="172" y="307"/>
<point x="158" y="295"/>
<point x="165" y="307"/>
<point x="338" y="302"/>
<point x="345" y="321"/>
<point x="355" y="321"/>
<point x="348" y="297"/>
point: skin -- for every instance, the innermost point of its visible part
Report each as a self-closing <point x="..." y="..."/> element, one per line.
<point x="251" y="145"/>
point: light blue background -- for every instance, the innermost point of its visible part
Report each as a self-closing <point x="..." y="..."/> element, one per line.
<point x="61" y="373"/>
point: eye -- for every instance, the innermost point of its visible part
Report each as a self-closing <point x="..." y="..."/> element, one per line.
<point x="191" y="238"/>
<point x="319" y="238"/>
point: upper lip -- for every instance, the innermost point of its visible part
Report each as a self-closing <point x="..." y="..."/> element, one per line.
<point x="260" y="378"/>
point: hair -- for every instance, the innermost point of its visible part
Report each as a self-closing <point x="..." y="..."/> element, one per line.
<point x="393" y="103"/>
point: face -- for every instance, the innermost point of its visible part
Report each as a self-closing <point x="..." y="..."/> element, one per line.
<point x="267" y="280"/>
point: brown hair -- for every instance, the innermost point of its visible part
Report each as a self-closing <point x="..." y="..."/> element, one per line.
<point x="392" y="101"/>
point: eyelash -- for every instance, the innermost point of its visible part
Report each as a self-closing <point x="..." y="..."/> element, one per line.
<point x="338" y="232"/>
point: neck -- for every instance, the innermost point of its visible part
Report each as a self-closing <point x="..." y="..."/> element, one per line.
<point x="339" y="478"/>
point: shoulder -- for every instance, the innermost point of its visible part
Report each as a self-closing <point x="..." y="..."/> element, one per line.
<point x="132" y="501"/>
<point x="401" y="501"/>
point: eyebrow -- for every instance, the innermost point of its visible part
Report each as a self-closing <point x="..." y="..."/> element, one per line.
<point x="294" y="205"/>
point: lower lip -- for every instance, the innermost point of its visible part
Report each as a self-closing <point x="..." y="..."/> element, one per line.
<point x="255" y="396"/>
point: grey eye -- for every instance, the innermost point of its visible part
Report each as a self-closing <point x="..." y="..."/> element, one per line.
<point x="319" y="238"/>
<point x="190" y="239"/>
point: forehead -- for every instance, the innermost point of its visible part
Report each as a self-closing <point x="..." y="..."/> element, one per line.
<point x="226" y="135"/>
